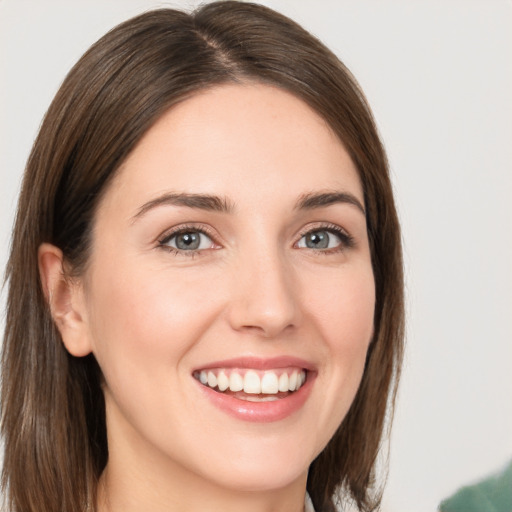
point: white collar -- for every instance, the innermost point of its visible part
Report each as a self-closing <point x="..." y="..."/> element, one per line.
<point x="308" y="504"/>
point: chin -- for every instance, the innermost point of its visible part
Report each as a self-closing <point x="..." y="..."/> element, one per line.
<point x="262" y="470"/>
<point x="270" y="478"/>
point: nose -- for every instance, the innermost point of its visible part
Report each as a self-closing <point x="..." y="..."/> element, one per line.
<point x="265" y="298"/>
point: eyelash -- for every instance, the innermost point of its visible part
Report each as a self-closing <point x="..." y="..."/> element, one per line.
<point x="180" y="231"/>
<point x="347" y="241"/>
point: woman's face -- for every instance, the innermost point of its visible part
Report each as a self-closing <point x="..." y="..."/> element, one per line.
<point x="230" y="252"/>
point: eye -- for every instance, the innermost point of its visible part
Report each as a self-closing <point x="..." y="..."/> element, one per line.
<point x="188" y="240"/>
<point x="325" y="239"/>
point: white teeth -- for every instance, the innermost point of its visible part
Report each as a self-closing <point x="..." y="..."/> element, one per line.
<point x="283" y="382"/>
<point x="222" y="381"/>
<point x="269" y="383"/>
<point x="236" y="383"/>
<point x="212" y="379"/>
<point x="252" y="383"/>
<point x="256" y="398"/>
<point x="292" y="385"/>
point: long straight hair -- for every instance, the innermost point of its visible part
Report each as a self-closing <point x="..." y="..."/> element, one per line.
<point x="53" y="411"/>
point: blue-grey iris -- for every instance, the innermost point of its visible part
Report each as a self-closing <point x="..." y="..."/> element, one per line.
<point x="188" y="241"/>
<point x="317" y="240"/>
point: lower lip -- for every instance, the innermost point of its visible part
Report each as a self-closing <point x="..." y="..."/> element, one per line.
<point x="262" y="412"/>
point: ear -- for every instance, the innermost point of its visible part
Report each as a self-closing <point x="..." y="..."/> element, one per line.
<point x="65" y="298"/>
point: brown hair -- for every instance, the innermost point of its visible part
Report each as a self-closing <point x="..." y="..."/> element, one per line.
<point x="53" y="417"/>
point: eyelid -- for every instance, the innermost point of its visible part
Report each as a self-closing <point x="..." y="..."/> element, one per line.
<point x="206" y="230"/>
<point x="347" y="240"/>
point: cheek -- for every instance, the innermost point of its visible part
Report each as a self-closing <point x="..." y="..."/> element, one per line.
<point x="144" y="322"/>
<point x="343" y="308"/>
<point x="344" y="316"/>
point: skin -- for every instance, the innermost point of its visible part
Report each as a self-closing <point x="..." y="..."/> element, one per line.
<point x="151" y="316"/>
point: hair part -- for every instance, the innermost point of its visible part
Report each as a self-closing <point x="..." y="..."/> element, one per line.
<point x="53" y="411"/>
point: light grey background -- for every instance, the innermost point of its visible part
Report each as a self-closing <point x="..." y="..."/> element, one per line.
<point x="438" y="75"/>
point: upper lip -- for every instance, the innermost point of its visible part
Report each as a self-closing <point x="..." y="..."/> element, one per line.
<point x="259" y="363"/>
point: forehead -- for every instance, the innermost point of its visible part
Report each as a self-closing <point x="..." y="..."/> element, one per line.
<point x="244" y="141"/>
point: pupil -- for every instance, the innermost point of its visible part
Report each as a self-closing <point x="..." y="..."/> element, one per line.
<point x="317" y="240"/>
<point x="188" y="241"/>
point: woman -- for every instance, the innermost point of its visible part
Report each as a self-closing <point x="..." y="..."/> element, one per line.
<point x="205" y="302"/>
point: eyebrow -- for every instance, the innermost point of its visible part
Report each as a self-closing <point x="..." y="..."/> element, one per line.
<point x="322" y="199"/>
<point x="200" y="201"/>
<point x="214" y="203"/>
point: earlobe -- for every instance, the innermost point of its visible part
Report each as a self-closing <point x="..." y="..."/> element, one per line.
<point x="65" y="300"/>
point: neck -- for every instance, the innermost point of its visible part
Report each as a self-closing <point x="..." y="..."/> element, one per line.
<point x="135" y="491"/>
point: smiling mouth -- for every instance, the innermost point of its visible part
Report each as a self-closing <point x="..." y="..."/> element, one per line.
<point x="253" y="385"/>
